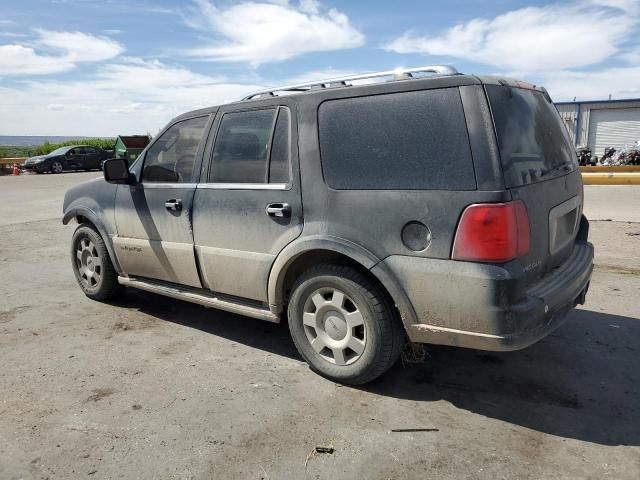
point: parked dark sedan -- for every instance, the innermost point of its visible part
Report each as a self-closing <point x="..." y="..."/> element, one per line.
<point x="74" y="157"/>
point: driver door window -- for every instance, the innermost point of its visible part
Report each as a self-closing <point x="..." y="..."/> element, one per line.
<point x="171" y="158"/>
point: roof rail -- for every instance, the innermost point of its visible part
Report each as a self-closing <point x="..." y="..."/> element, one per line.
<point x="397" y="74"/>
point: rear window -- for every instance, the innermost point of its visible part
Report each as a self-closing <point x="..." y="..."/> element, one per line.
<point x="399" y="141"/>
<point x="534" y="143"/>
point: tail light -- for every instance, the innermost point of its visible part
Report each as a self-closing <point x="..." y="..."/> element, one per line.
<point x="492" y="232"/>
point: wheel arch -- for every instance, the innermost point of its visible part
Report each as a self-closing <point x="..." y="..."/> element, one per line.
<point x="86" y="216"/>
<point x="301" y="255"/>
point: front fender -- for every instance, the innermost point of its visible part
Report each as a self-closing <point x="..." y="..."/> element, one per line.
<point x="83" y="212"/>
<point x="349" y="249"/>
<point x="94" y="201"/>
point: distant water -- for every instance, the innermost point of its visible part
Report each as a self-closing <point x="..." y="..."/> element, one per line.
<point x="34" y="140"/>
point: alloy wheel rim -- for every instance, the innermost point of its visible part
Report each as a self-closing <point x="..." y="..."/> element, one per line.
<point x="88" y="263"/>
<point x="57" y="167"/>
<point x="334" y="326"/>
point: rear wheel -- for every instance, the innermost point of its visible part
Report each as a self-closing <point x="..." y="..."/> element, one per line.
<point x="92" y="265"/>
<point x="344" y="325"/>
<point x="56" y="167"/>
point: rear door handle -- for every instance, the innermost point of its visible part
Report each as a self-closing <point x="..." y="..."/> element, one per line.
<point x="173" y="205"/>
<point x="279" y="210"/>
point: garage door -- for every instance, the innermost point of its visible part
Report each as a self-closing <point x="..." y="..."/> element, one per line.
<point x="616" y="127"/>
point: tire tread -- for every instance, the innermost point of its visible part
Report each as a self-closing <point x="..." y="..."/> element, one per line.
<point x="110" y="286"/>
<point x="391" y="331"/>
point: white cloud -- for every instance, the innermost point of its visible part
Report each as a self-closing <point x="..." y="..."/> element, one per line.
<point x="310" y="6"/>
<point x="620" y="82"/>
<point x="317" y="75"/>
<point x="259" y="33"/>
<point x="20" y="60"/>
<point x="55" y="52"/>
<point x="629" y="6"/>
<point x="80" y="47"/>
<point x="129" y="96"/>
<point x="558" y="36"/>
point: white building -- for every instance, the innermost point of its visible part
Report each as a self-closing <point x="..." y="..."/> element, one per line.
<point x="603" y="123"/>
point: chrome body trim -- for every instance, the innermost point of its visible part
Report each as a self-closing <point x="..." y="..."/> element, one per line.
<point x="166" y="185"/>
<point x="205" y="299"/>
<point x="243" y="186"/>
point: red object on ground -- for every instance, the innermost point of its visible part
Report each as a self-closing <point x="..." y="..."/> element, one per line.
<point x="16" y="170"/>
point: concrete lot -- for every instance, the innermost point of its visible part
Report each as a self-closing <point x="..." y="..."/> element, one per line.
<point x="148" y="387"/>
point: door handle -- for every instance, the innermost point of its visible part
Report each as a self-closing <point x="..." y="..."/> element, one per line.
<point x="279" y="210"/>
<point x="173" y="205"/>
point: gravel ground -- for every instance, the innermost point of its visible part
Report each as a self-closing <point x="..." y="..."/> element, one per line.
<point x="152" y="388"/>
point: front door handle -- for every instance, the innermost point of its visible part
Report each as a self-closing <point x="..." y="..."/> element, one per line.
<point x="173" y="205"/>
<point x="279" y="210"/>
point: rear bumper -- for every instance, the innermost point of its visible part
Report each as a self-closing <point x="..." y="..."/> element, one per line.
<point x="483" y="306"/>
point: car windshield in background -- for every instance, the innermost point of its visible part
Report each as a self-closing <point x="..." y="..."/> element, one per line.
<point x="534" y="143"/>
<point x="59" y="151"/>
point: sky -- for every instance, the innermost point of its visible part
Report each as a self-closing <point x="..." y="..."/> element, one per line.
<point x="108" y="67"/>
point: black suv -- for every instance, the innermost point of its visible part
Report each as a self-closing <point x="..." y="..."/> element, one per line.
<point x="74" y="157"/>
<point x="435" y="207"/>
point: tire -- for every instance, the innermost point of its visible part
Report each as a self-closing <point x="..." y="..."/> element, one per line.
<point x="56" y="167"/>
<point x="334" y="307"/>
<point x="92" y="265"/>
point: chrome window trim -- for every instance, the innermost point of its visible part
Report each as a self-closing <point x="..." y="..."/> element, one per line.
<point x="166" y="185"/>
<point x="243" y="186"/>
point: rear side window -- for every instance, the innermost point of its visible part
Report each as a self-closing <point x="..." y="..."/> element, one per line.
<point x="241" y="151"/>
<point x="253" y="147"/>
<point x="399" y="141"/>
<point x="534" y="143"/>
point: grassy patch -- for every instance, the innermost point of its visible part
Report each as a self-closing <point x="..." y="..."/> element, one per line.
<point x="46" y="147"/>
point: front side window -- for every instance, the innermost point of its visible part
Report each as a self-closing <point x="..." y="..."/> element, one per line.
<point x="252" y="147"/>
<point x="172" y="156"/>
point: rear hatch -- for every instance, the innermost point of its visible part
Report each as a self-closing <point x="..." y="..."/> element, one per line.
<point x="540" y="168"/>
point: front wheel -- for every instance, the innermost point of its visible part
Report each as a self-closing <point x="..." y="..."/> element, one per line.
<point x="344" y="325"/>
<point x="92" y="265"/>
<point x="56" y="167"/>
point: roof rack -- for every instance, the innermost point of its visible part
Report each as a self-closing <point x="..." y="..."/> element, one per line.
<point x="397" y="74"/>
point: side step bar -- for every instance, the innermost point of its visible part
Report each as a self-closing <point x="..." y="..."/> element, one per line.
<point x="204" y="299"/>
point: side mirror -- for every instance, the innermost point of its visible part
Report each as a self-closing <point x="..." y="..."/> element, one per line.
<point x="116" y="170"/>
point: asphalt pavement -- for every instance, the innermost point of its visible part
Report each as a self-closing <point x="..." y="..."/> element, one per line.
<point x="151" y="388"/>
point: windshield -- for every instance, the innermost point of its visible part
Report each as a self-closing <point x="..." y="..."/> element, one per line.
<point x="59" y="151"/>
<point x="534" y="143"/>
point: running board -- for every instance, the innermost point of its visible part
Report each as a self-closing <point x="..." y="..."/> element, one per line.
<point x="188" y="295"/>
